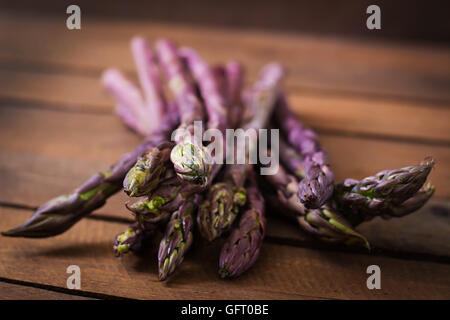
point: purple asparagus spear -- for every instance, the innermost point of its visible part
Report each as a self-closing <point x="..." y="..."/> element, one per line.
<point x="241" y="249"/>
<point x="317" y="186"/>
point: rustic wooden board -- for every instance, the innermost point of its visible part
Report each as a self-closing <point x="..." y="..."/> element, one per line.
<point x="9" y="291"/>
<point x="380" y="105"/>
<point x="323" y="112"/>
<point x="102" y="139"/>
<point x="314" y="63"/>
<point x="424" y="232"/>
<point x="421" y="235"/>
<point x="309" y="273"/>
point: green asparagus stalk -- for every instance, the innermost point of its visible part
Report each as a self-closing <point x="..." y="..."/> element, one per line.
<point x="241" y="249"/>
<point x="389" y="193"/>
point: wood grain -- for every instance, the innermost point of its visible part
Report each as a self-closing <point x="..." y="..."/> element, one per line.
<point x="423" y="234"/>
<point x="99" y="140"/>
<point x="313" y="63"/>
<point x="281" y="272"/>
<point x="9" y="291"/>
<point x="347" y="114"/>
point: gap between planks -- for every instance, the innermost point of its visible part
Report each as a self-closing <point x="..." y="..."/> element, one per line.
<point x="285" y="232"/>
<point x="282" y="272"/>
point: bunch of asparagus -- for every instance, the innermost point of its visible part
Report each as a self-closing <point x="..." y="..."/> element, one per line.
<point x="177" y="184"/>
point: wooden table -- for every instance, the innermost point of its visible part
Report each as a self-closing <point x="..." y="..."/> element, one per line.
<point x="374" y="105"/>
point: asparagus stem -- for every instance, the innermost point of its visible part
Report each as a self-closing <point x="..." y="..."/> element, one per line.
<point x="221" y="206"/>
<point x="234" y="73"/>
<point x="291" y="159"/>
<point x="177" y="238"/>
<point x="59" y="214"/>
<point x="241" y="249"/>
<point x="144" y="176"/>
<point x="140" y="112"/>
<point x="149" y="79"/>
<point x="132" y="239"/>
<point x="224" y="199"/>
<point x="389" y="193"/>
<point x="317" y="186"/>
<point x="324" y="223"/>
<point x="189" y="157"/>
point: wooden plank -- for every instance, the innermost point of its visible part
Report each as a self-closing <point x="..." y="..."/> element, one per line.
<point x="313" y="63"/>
<point x="58" y="90"/>
<point x="9" y="291"/>
<point x="418" y="121"/>
<point x="281" y="272"/>
<point x="102" y="139"/>
<point x="350" y="114"/>
<point x="423" y="234"/>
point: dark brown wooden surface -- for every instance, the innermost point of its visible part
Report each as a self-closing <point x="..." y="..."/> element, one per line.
<point x="374" y="105"/>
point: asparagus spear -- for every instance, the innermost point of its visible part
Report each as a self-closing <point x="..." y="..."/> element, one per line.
<point x="224" y="199"/>
<point x="132" y="238"/>
<point x="234" y="73"/>
<point x="241" y="249"/>
<point x="177" y="238"/>
<point x="219" y="210"/>
<point x="323" y="223"/>
<point x="189" y="157"/>
<point x="144" y="176"/>
<point x="389" y="193"/>
<point x="291" y="159"/>
<point x="59" y="214"/>
<point x="317" y="186"/>
<point x="140" y="112"/>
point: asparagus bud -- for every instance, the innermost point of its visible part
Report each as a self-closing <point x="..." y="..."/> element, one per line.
<point x="188" y="156"/>
<point x="191" y="162"/>
<point x="317" y="186"/>
<point x="241" y="249"/>
<point x="324" y="223"/>
<point x="59" y="214"/>
<point x="389" y="193"/>
<point x="177" y="238"/>
<point x="144" y="176"/>
<point x="218" y="212"/>
<point x="132" y="238"/>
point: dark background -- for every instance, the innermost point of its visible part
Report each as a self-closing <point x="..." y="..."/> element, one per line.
<point x="401" y="20"/>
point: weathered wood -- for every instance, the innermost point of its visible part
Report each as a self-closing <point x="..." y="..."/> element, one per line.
<point x="348" y="114"/>
<point x="281" y="272"/>
<point x="423" y="234"/>
<point x="313" y="63"/>
<point x="101" y="139"/>
<point x="9" y="291"/>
